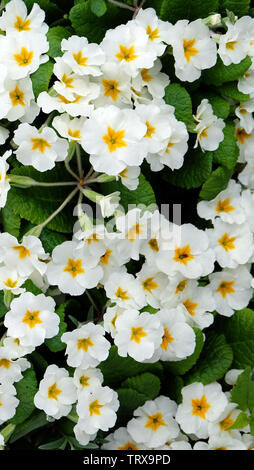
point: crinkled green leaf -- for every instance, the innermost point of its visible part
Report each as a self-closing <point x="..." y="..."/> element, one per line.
<point x="37" y="420"/>
<point x="181" y="367"/>
<point x="174" y="10"/>
<point x="221" y="107"/>
<point x="238" y="7"/>
<point x="26" y="389"/>
<point x="177" y="96"/>
<point x="41" y="78"/>
<point x="214" y="361"/>
<point x="227" y="153"/>
<point x="221" y="73"/>
<point x="146" y="383"/>
<point x="51" y="239"/>
<point x="230" y="90"/>
<point x="217" y="182"/>
<point x="98" y="7"/>
<point x="243" y="391"/>
<point x="31" y="287"/>
<point x="239" y="332"/>
<point x="55" y="36"/>
<point x="3" y="308"/>
<point x="11" y="221"/>
<point x="241" y="421"/>
<point x="196" y="169"/>
<point x="129" y="400"/>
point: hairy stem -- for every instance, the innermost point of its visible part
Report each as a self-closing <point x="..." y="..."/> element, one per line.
<point x="79" y="163"/>
<point x="60" y="208"/>
<point x="121" y="5"/>
<point x="92" y="301"/>
<point x="68" y="168"/>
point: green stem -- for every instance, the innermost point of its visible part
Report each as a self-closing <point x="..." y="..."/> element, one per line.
<point x="79" y="163"/>
<point x="7" y="431"/>
<point x="60" y="208"/>
<point x="121" y="5"/>
<point x="63" y="183"/>
<point x="92" y="301"/>
<point x="73" y="417"/>
<point x="138" y="8"/>
<point x="68" y="168"/>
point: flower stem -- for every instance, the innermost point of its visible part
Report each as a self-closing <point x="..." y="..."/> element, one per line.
<point x="79" y="163"/>
<point x="63" y="183"/>
<point x="68" y="168"/>
<point x="92" y="301"/>
<point x="138" y="8"/>
<point x="60" y="208"/>
<point x="121" y="5"/>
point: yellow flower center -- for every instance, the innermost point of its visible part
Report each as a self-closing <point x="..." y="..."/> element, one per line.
<point x="126" y="54"/>
<point x="53" y="391"/>
<point x="200" y="406"/>
<point x="149" y="130"/>
<point x="231" y="45"/>
<point x="22" y="25"/>
<point x="5" y="363"/>
<point x="111" y="89"/>
<point x="149" y="284"/>
<point x="224" y="206"/>
<point x="113" y="321"/>
<point x="145" y="77"/>
<point x="152" y="33"/>
<point x="188" y="48"/>
<point x="32" y="318"/>
<point x="105" y="258"/>
<point x="84" y="381"/>
<point x="226" y="242"/>
<point x="203" y="133"/>
<point x="190" y="306"/>
<point x="17" y="97"/>
<point x="40" y="144"/>
<point x="155" y="421"/>
<point x="137" y="334"/>
<point x="166" y="339"/>
<point x="23" y="251"/>
<point x="128" y="446"/>
<point x="122" y="294"/>
<point x="24" y="58"/>
<point x="153" y="244"/>
<point x="133" y="232"/>
<point x="67" y="81"/>
<point x="114" y="139"/>
<point x="181" y="286"/>
<point x="225" y="288"/>
<point x="75" y="134"/>
<point x="80" y="59"/>
<point x="242" y="135"/>
<point x="11" y="284"/>
<point x="226" y="423"/>
<point x="183" y="255"/>
<point x="170" y="144"/>
<point x="94" y="408"/>
<point x="64" y="100"/>
<point x="84" y="344"/>
<point x="74" y="267"/>
<point x="92" y="238"/>
<point x="243" y="111"/>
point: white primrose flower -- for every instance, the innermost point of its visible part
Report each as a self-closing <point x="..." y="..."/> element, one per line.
<point x="15" y="347"/>
<point x="93" y="241"/>
<point x="10" y="280"/>
<point x="121" y="440"/>
<point x="81" y="435"/>
<point x="125" y="291"/>
<point x="15" y="19"/>
<point x="179" y="443"/>
<point x="97" y="409"/>
<point x="201" y="405"/>
<point x="176" y="290"/>
<point x="77" y="106"/>
<point x="87" y="379"/>
<point x="17" y="98"/>
<point x="72" y="270"/>
<point x="109" y="319"/>
<point x="248" y="441"/>
<point x="178" y="341"/>
<point x="157" y="122"/>
<point x="86" y="346"/>
<point x="82" y="57"/>
<point x="133" y="229"/>
<point x="10" y="369"/>
<point x="68" y="128"/>
<point x="220" y="443"/>
<point x="221" y="426"/>
<point x="138" y="335"/>
<point x="109" y="203"/>
<point x="191" y="255"/>
<point x="155" y="29"/>
<point x="153" y="284"/>
<point x="159" y="232"/>
<point x="128" y="46"/>
<point x="232" y="376"/>
<point x="247" y="204"/>
<point x="227" y="205"/>
<point x="245" y="142"/>
<point x="115" y="87"/>
<point x="154" y="423"/>
<point x="4" y="134"/>
<point x="57" y="392"/>
<point x="8" y="402"/>
<point x="198" y="302"/>
<point x="4" y="178"/>
<point x="113" y="260"/>
<point x="231" y="289"/>
<point x="246" y="177"/>
<point x="130" y="177"/>
<point x="232" y="244"/>
<point x="209" y="128"/>
<point x="153" y="79"/>
<point x="25" y="257"/>
<point x="234" y="45"/>
<point x="39" y="149"/>
<point x="113" y="138"/>
<point x="244" y="113"/>
<point x="245" y="83"/>
<point x="32" y="319"/>
<point x="193" y="49"/>
<point x="23" y="54"/>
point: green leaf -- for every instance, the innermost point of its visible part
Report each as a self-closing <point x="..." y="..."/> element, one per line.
<point x="221" y="107"/>
<point x="177" y="96"/>
<point x="252" y="422"/>
<point x="55" y="344"/>
<point x="196" y="169"/>
<point x="221" y="73"/>
<point x="35" y="421"/>
<point x="239" y="7"/>
<point x="3" y="308"/>
<point x="231" y="91"/>
<point x="174" y="387"/>
<point x="241" y="421"/>
<point x="11" y="222"/>
<point x="214" y="361"/>
<point x="148" y="384"/>
<point x="41" y="78"/>
<point x="239" y="332"/>
<point x="227" y="153"/>
<point x="31" y="287"/>
<point x="115" y="368"/>
<point x="243" y="391"/>
<point x="175" y="10"/>
<point x="181" y="367"/>
<point x="217" y="182"/>
<point x="36" y="204"/>
<point x="26" y="389"/>
<point x="51" y="239"/>
<point x="98" y="7"/>
<point x="55" y="36"/>
<point x="144" y="193"/>
<point x="54" y="445"/>
<point x="129" y="400"/>
<point x="85" y="23"/>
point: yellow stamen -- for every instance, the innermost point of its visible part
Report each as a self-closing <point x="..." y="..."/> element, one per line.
<point x="200" y="407"/>
<point x="11" y="284"/>
<point x="105" y="258"/>
<point x="126" y="54"/>
<point x="5" y="363"/>
<point x="242" y="135"/>
<point x="122" y="294"/>
<point x="149" y="284"/>
<point x="153" y="244"/>
<point x="40" y="144"/>
<point x="67" y="81"/>
<point x="137" y="334"/>
<point x="170" y="144"/>
<point x="75" y="134"/>
<point x="114" y="139"/>
<point x="21" y="25"/>
<point x="226" y="242"/>
<point x="152" y="34"/>
<point x="80" y="59"/>
<point x="226" y="423"/>
<point x="224" y="206"/>
<point x="74" y="267"/>
<point x="190" y="306"/>
<point x="189" y="50"/>
<point x="231" y="45"/>
<point x="128" y="446"/>
<point x="53" y="391"/>
<point x="145" y="77"/>
<point x="225" y="288"/>
<point x="181" y="286"/>
<point x="84" y="381"/>
<point x="32" y="318"/>
<point x="183" y="255"/>
<point x="17" y="97"/>
<point x="94" y="408"/>
<point x="84" y="344"/>
<point x="24" y="58"/>
<point x="23" y="251"/>
<point x="111" y="89"/>
<point x="133" y="232"/>
<point x="166" y="339"/>
<point x="155" y="421"/>
<point x="149" y="130"/>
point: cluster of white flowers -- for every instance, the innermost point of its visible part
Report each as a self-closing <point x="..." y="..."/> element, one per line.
<point x="206" y="412"/>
